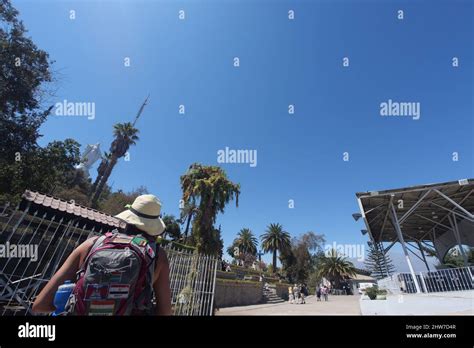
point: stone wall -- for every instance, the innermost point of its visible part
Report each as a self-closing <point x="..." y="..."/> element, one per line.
<point x="225" y="275"/>
<point x="231" y="293"/>
<point x="282" y="290"/>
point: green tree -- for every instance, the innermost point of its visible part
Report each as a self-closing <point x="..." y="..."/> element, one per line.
<point x="210" y="190"/>
<point x="312" y="241"/>
<point x="231" y="249"/>
<point x="315" y="277"/>
<point x="244" y="247"/>
<point x="24" y="73"/>
<point x="335" y="268"/>
<point x="47" y="169"/>
<point x="125" y="135"/>
<point x="378" y="262"/>
<point x="76" y="188"/>
<point x="24" y="76"/>
<point x="275" y="240"/>
<point x="53" y="165"/>
<point x="288" y="262"/>
<point x="246" y="241"/>
<point x="115" y="202"/>
<point x="298" y="261"/>
<point x="173" y="229"/>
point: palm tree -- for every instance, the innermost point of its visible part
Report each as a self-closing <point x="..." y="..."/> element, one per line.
<point x="209" y="188"/>
<point x="246" y="241"/>
<point x="335" y="268"/>
<point x="125" y="136"/>
<point x="187" y="212"/>
<point x="275" y="240"/>
<point x="101" y="170"/>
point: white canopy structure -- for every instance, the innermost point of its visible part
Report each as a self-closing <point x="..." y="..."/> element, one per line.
<point x="434" y="216"/>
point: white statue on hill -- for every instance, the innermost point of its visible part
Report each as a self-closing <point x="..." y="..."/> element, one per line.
<point x="91" y="155"/>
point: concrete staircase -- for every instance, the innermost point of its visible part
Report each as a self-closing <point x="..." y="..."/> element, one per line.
<point x="270" y="296"/>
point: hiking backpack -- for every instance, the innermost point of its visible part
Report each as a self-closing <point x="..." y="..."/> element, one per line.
<point x="116" y="277"/>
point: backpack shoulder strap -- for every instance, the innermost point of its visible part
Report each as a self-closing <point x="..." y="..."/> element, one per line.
<point x="98" y="242"/>
<point x="143" y="300"/>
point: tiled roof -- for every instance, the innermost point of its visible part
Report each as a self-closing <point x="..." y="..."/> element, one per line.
<point x="362" y="277"/>
<point x="72" y="208"/>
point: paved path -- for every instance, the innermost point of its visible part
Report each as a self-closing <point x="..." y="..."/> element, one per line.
<point x="337" y="305"/>
<point x="441" y="303"/>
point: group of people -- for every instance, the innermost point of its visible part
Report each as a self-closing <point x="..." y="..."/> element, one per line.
<point x="322" y="291"/>
<point x="297" y="293"/>
<point x="225" y="266"/>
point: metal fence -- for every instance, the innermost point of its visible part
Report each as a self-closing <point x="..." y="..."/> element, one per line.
<point x="192" y="282"/>
<point x="451" y="279"/>
<point x="35" y="243"/>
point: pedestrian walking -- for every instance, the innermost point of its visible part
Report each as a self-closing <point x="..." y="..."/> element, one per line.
<point x="318" y="293"/>
<point x="304" y="293"/>
<point x="326" y="293"/>
<point x="296" y="293"/>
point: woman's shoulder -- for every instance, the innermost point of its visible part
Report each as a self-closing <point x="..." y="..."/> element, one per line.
<point x="162" y="258"/>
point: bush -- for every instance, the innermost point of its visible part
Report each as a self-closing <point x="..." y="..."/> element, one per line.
<point x="373" y="291"/>
<point x="239" y="282"/>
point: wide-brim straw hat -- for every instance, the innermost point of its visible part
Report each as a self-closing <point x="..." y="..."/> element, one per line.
<point x="144" y="214"/>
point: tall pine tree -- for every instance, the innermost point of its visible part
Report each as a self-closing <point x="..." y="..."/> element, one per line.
<point x="378" y="263"/>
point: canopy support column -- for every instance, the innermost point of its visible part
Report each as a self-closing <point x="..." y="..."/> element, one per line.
<point x="402" y="242"/>
<point x="423" y="255"/>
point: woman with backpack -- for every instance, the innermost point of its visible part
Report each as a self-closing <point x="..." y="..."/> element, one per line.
<point x="117" y="273"/>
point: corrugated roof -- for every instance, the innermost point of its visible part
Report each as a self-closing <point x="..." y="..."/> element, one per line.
<point x="72" y="208"/>
<point x="431" y="212"/>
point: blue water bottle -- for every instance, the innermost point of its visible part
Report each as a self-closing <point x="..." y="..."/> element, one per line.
<point x="61" y="297"/>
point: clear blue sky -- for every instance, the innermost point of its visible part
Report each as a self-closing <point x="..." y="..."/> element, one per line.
<point x="282" y="62"/>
